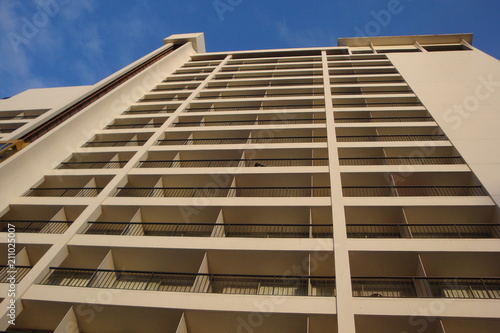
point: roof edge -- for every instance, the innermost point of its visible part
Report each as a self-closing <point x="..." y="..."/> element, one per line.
<point x="405" y="40"/>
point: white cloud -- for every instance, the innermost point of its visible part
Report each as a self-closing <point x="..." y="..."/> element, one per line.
<point x="76" y="8"/>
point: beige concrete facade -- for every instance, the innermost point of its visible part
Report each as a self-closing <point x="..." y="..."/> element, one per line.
<point x="339" y="189"/>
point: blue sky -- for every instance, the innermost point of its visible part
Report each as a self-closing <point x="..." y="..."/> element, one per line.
<point x="50" y="43"/>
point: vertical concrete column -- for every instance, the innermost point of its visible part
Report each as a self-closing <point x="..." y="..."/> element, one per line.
<point x="345" y="314"/>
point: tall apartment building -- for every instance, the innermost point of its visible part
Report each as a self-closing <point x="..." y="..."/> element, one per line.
<point x="338" y="189"/>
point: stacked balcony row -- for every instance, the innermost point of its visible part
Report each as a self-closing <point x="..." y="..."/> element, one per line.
<point x="289" y="157"/>
<point x="159" y="183"/>
<point x="119" y="319"/>
<point x="362" y="222"/>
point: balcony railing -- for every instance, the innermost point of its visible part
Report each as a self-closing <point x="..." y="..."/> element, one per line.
<point x="376" y="105"/>
<point x="367" y="82"/>
<point x="426" y="287"/>
<point x="118" y="143"/>
<point x="93" y="165"/>
<point x="218" y="141"/>
<point x="384" y="92"/>
<point x="18" y="117"/>
<point x="270" y="67"/>
<point x="266" y="85"/>
<point x="185" y="79"/>
<point x="64" y="192"/>
<point x="401" y="160"/>
<point x="36" y="226"/>
<point x="407" y="191"/>
<point x="193" y="283"/>
<point x="262" y="96"/>
<point x="233" y="163"/>
<point x="423" y="230"/>
<point x="238" y="75"/>
<point x="255" y="108"/>
<point x="335" y="71"/>
<point x="211" y="230"/>
<point x="163" y="99"/>
<point x="19" y="272"/>
<point x="383" y="119"/>
<point x="131" y="126"/>
<point x="186" y="90"/>
<point x="376" y="138"/>
<point x="189" y="192"/>
<point x="251" y="122"/>
<point x="148" y="111"/>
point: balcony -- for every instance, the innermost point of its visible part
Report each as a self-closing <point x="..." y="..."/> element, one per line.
<point x="64" y="192"/>
<point x="234" y="163"/>
<point x="69" y="186"/>
<point x="362" y="70"/>
<point x="204" y="185"/>
<point x="152" y="109"/>
<point x="243" y="140"/>
<point x="361" y="91"/>
<point x="382" y="119"/>
<point x="265" y="272"/>
<point x="237" y="221"/>
<point x="346" y="104"/>
<point x="428" y="222"/>
<point x="423" y="230"/>
<point x="363" y="156"/>
<point x="164" y="97"/>
<point x="9" y="128"/>
<point x="118" y="140"/>
<point x="44" y="219"/>
<point x="115" y="143"/>
<point x="211" y="230"/>
<point x="379" y="138"/>
<point x="93" y="165"/>
<point x="21" y="115"/>
<point x="96" y="161"/>
<point x="268" y="74"/>
<point x="272" y="59"/>
<point x="36" y="226"/>
<point x="121" y="319"/>
<point x="441" y="160"/>
<point x="426" y="324"/>
<point x="175" y="87"/>
<point x="414" y="190"/>
<point x="292" y="121"/>
<point x="19" y="273"/>
<point x="264" y="84"/>
<point x="425" y="274"/>
<point x="388" y="134"/>
<point x="323" y="286"/>
<point x="185" y="78"/>
<point x="360" y="63"/>
<point x="270" y="67"/>
<point x="190" y="192"/>
<point x="401" y="184"/>
<point x="371" y="79"/>
<point x="255" y="106"/>
<point x="26" y="256"/>
<point x="137" y="123"/>
<point x="426" y="287"/>
<point x="277" y="93"/>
